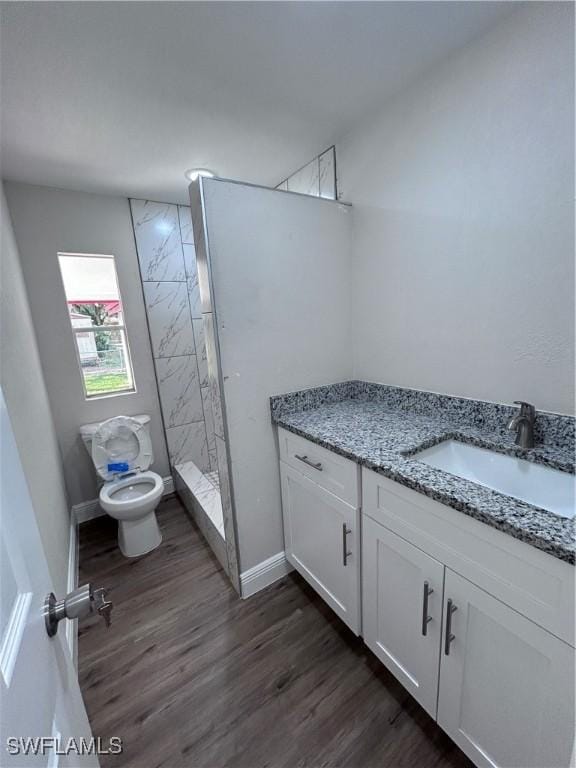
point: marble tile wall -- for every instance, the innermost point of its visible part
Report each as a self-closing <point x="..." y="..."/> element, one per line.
<point x="166" y="253"/>
<point x="317" y="178"/>
<point x="213" y="396"/>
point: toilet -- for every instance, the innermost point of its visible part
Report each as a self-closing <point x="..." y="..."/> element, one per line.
<point x="121" y="450"/>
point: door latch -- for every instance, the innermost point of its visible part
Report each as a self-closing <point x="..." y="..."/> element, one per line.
<point x="76" y="605"/>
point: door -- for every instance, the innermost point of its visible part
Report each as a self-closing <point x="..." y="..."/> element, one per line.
<point x="38" y="684"/>
<point x="402" y="609"/>
<point x="506" y="685"/>
<point x="322" y="540"/>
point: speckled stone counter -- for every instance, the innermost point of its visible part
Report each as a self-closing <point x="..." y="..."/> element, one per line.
<point x="381" y="428"/>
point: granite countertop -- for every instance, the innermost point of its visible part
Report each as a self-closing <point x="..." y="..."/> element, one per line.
<point x="383" y="435"/>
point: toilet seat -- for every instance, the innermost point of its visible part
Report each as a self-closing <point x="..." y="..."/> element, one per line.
<point x="121" y="440"/>
<point x="129" y="495"/>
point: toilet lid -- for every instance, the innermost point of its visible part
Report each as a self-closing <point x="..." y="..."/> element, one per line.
<point x="121" y="440"/>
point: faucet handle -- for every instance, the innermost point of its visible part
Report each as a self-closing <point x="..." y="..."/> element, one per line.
<point x="525" y="408"/>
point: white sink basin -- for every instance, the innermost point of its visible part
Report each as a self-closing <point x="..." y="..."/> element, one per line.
<point x="534" y="483"/>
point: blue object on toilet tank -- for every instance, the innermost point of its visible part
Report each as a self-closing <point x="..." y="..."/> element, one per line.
<point x="119" y="466"/>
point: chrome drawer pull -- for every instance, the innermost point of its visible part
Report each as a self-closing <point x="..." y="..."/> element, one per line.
<point x="425" y="618"/>
<point x="450" y="608"/>
<point x="345" y="553"/>
<point x="312" y="464"/>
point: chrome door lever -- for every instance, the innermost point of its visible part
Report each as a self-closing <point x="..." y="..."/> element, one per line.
<point x="77" y="604"/>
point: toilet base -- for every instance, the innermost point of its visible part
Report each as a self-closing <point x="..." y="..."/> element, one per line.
<point x="138" y="537"/>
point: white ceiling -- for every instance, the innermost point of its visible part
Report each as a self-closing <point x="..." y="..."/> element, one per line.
<point x="124" y="97"/>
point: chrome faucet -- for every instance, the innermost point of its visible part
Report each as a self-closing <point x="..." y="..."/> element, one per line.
<point x="523" y="423"/>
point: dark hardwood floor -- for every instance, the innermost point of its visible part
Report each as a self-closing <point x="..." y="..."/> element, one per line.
<point x="191" y="676"/>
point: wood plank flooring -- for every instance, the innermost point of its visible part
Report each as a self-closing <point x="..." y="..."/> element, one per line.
<point x="190" y="676"/>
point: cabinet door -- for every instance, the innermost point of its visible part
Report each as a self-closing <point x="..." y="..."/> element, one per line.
<point x="506" y="685"/>
<point x="322" y="539"/>
<point x="402" y="609"/>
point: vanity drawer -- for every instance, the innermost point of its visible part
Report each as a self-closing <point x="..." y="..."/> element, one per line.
<point x="330" y="471"/>
<point x="537" y="585"/>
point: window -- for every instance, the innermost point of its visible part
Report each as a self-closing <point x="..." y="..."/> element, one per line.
<point x="97" y="320"/>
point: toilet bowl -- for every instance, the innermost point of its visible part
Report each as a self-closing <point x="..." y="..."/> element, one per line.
<point x="132" y="500"/>
<point x="121" y="450"/>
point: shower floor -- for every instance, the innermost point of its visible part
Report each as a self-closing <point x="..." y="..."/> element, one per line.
<point x="205" y="487"/>
<point x="200" y="493"/>
<point x="214" y="478"/>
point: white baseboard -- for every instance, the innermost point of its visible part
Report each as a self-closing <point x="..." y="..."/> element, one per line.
<point x="265" y="573"/>
<point x="88" y="510"/>
<point x="72" y="583"/>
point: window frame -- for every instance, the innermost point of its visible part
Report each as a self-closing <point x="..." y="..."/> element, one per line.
<point x="99" y="329"/>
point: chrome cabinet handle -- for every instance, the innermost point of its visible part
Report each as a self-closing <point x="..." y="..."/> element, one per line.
<point x="312" y="464"/>
<point x="345" y="553"/>
<point x="425" y="618"/>
<point x="450" y="608"/>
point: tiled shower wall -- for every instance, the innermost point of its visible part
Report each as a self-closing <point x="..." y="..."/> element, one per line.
<point x="316" y="178"/>
<point x="216" y="389"/>
<point x="166" y="253"/>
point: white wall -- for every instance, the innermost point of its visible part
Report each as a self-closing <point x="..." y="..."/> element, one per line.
<point x="462" y="190"/>
<point x="26" y="398"/>
<point x="280" y="266"/>
<point x="47" y="221"/>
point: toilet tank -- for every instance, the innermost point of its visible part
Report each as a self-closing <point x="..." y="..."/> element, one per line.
<point x="88" y="430"/>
